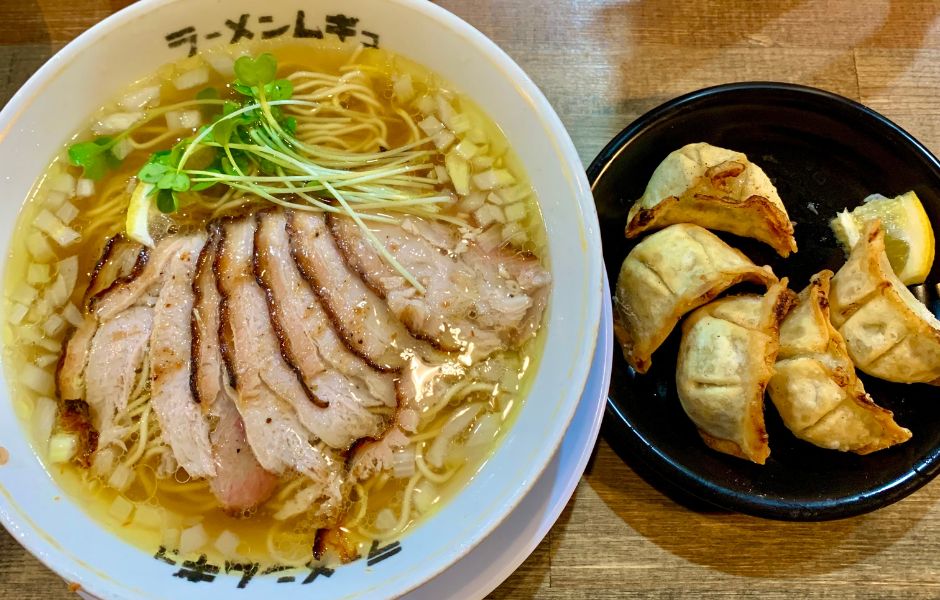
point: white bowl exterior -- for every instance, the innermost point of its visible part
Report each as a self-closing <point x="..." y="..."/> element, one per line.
<point x="99" y="64"/>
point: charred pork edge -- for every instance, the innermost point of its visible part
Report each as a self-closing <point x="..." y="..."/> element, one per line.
<point x="350" y="454"/>
<point x="345" y="251"/>
<point x="224" y="342"/>
<point x="209" y="249"/>
<point x="142" y="257"/>
<point x="310" y="278"/>
<point x="106" y="255"/>
<point x="333" y="224"/>
<point x="259" y="260"/>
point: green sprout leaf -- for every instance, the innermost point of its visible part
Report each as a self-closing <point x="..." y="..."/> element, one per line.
<point x="279" y="89"/>
<point x="256" y="71"/>
<point x="222" y="131"/>
<point x="289" y="125"/>
<point x="94" y="157"/>
<point x="167" y="202"/>
<point x="209" y="93"/>
<point x="152" y="172"/>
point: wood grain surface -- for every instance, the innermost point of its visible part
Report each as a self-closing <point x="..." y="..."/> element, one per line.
<point x="602" y="64"/>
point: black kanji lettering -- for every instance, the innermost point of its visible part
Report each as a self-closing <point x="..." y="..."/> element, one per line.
<point x="161" y="555"/>
<point x="248" y="571"/>
<point x="377" y="555"/>
<point x="275" y="569"/>
<point x="197" y="571"/>
<point x="213" y="35"/>
<point x="373" y="36"/>
<point x="325" y="571"/>
<point x="288" y="579"/>
<point x="187" y="35"/>
<point x="240" y="30"/>
<point x="300" y="28"/>
<point x="341" y="26"/>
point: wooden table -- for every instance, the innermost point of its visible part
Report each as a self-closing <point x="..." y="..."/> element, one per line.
<point x="602" y="64"/>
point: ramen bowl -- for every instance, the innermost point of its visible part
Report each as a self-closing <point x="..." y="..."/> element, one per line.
<point x="57" y="102"/>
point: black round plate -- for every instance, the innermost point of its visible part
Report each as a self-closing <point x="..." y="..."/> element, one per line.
<point x="824" y="153"/>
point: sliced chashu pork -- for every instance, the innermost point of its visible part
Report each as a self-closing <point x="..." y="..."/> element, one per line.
<point x="240" y="482"/>
<point x="267" y="393"/>
<point x="349" y="385"/>
<point x="107" y="384"/>
<point x="182" y="424"/>
<point x="121" y="259"/>
<point x="474" y="301"/>
<point x="360" y="316"/>
<point x="256" y="348"/>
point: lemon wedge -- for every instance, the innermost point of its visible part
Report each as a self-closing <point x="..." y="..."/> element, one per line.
<point x="909" y="239"/>
<point x="138" y="215"/>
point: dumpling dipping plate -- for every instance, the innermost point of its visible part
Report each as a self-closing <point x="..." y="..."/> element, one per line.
<point x="824" y="153"/>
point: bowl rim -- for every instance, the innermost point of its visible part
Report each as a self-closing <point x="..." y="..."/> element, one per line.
<point x="631" y="443"/>
<point x="26" y="532"/>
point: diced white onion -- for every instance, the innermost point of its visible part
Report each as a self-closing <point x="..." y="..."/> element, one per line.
<point x="515" y="193"/>
<point x="191" y="79"/>
<point x="444" y="110"/>
<point x="67" y="212"/>
<point x="85" y="188"/>
<point x="121" y="478"/>
<point x="193" y="539"/>
<point x="53" y="325"/>
<point x="494" y="178"/>
<point x="458" y="169"/>
<point x="28" y="335"/>
<point x="17" y="312"/>
<point x="425" y="104"/>
<point x="46" y="360"/>
<point x="460" y="123"/>
<point x="227" y="544"/>
<point x="441" y="172"/>
<point x="221" y="62"/>
<point x="443" y="140"/>
<point x="66" y="236"/>
<point x="471" y="202"/>
<point x="44" y="412"/>
<point x="430" y="125"/>
<point x="477" y="135"/>
<point x="38" y="273"/>
<point x="385" y="520"/>
<point x="39" y="380"/>
<point x="490" y="239"/>
<point x="515" y="212"/>
<point x="68" y="270"/>
<point x="425" y="496"/>
<point x="72" y="314"/>
<point x="467" y="149"/>
<point x="121" y="509"/>
<point x="24" y="293"/>
<point x="403" y="462"/>
<point x="488" y="214"/>
<point x="513" y="232"/>
<point x="64" y="183"/>
<point x="116" y="122"/>
<point x="494" y="198"/>
<point x="39" y="247"/>
<point x="183" y="119"/>
<point x="122" y="148"/>
<point x="484" y="161"/>
<point x="149" y="517"/>
<point x="58" y="293"/>
<point x="62" y="447"/>
<point x="146" y="97"/>
<point x="404" y="89"/>
<point x="47" y="222"/>
<point x="171" y="537"/>
<point x="55" y="199"/>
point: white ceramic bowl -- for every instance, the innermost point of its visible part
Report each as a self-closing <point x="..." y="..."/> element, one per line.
<point x="58" y="100"/>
